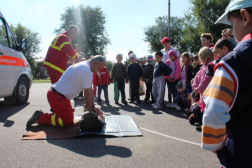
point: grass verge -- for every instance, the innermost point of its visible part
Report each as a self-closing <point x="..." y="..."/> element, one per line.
<point x="41" y="81"/>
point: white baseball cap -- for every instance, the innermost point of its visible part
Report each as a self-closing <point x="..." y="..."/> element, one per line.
<point x="133" y="55"/>
<point x="233" y="5"/>
<point x="120" y="55"/>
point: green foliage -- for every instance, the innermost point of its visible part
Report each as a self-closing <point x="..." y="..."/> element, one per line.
<point x="154" y="34"/>
<point x="109" y="65"/>
<point x="93" y="37"/>
<point x="185" y="32"/>
<point x="33" y="42"/>
<point x="200" y="19"/>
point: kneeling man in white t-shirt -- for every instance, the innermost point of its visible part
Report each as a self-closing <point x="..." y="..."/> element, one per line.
<point x="76" y="78"/>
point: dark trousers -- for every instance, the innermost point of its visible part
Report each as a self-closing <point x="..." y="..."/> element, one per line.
<point x="134" y="89"/>
<point x="188" y="88"/>
<point x="121" y="88"/>
<point x="237" y="149"/>
<point x="105" y="89"/>
<point x="172" y="91"/>
<point x="197" y="115"/>
<point x="181" y="102"/>
<point x="81" y="94"/>
<point x="148" y="92"/>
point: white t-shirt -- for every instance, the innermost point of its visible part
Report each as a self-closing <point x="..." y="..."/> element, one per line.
<point x="76" y="78"/>
<point x="165" y="53"/>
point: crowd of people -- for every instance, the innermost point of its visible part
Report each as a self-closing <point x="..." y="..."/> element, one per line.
<point x="214" y="91"/>
<point x="186" y="81"/>
<point x="213" y="87"/>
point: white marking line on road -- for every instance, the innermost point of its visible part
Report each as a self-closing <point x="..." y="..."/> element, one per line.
<point x="178" y="139"/>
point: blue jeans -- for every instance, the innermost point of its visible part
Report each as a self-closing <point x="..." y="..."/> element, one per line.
<point x="172" y="91"/>
<point x="181" y="102"/>
<point x="105" y="89"/>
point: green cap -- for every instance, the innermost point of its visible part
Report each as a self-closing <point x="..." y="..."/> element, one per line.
<point x="233" y="5"/>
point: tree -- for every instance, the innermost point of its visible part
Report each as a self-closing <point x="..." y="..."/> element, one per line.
<point x="33" y="42"/>
<point x="186" y="31"/>
<point x="155" y="33"/>
<point x="109" y="65"/>
<point x="200" y="19"/>
<point x="93" y="37"/>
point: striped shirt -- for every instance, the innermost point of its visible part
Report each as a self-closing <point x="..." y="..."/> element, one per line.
<point x="218" y="97"/>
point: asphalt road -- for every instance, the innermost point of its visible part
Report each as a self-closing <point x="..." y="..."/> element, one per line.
<point x="168" y="139"/>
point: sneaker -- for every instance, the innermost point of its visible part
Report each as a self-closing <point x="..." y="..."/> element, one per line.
<point x="139" y="101"/>
<point x="174" y="105"/>
<point x="187" y="110"/>
<point x="124" y="102"/>
<point x="153" y="104"/>
<point x="106" y="102"/>
<point x="157" y="107"/>
<point x="169" y="105"/>
<point x="34" y="119"/>
<point x="199" y="129"/>
<point x="178" y="108"/>
<point x="116" y="102"/>
<point x="99" y="102"/>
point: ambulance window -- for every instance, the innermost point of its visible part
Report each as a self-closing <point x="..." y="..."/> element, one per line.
<point x="3" y="35"/>
<point x="11" y="38"/>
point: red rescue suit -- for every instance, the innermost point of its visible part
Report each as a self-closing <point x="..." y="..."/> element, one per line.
<point x="63" y="113"/>
<point x="57" y="56"/>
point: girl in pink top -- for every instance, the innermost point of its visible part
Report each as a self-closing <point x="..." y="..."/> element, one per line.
<point x="187" y="71"/>
<point x="174" y="77"/>
<point x="201" y="79"/>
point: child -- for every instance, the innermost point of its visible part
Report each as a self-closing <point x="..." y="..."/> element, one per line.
<point x="227" y="120"/>
<point x="174" y="77"/>
<point x="118" y="75"/>
<point x="135" y="72"/>
<point x="148" y="78"/>
<point x="221" y="48"/>
<point x="160" y="70"/>
<point x="182" y="95"/>
<point x="70" y="62"/>
<point x="201" y="79"/>
<point x="197" y="65"/>
<point x="187" y="70"/>
<point x="102" y="80"/>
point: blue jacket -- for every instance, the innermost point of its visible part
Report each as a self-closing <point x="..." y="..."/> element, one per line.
<point x="239" y="67"/>
<point x="161" y="69"/>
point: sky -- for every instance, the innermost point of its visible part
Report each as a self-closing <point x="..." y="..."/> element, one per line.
<point x="125" y="20"/>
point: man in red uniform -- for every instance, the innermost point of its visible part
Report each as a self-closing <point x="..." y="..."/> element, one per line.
<point x="76" y="78"/>
<point x="58" y="53"/>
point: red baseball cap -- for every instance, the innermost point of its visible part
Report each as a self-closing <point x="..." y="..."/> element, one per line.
<point x="165" y="39"/>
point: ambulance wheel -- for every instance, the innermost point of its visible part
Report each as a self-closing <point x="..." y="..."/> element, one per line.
<point x="22" y="91"/>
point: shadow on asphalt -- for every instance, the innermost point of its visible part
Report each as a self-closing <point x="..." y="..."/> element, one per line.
<point x="92" y="146"/>
<point x="137" y="108"/>
<point x="8" y="110"/>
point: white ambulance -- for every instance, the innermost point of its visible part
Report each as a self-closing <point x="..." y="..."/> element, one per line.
<point x="15" y="72"/>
